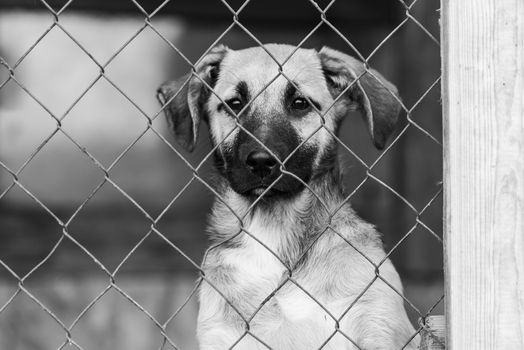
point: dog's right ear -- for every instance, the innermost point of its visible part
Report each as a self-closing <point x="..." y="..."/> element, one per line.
<point x="183" y="101"/>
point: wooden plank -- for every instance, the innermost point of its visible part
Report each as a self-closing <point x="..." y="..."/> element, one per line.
<point x="483" y="83"/>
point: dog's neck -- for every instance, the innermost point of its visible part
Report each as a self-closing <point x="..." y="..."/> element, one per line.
<point x="286" y="226"/>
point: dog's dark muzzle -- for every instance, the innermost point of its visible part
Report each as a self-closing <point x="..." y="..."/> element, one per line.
<point x="274" y="159"/>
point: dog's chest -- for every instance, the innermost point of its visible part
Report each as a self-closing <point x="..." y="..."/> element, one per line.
<point x="258" y="262"/>
<point x="290" y="318"/>
<point x="285" y="311"/>
<point x="260" y="270"/>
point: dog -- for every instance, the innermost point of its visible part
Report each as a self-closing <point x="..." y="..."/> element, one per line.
<point x="292" y="266"/>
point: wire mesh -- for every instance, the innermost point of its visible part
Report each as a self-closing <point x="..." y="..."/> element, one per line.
<point x="112" y="283"/>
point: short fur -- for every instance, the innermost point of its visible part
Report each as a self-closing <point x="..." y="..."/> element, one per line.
<point x="288" y="240"/>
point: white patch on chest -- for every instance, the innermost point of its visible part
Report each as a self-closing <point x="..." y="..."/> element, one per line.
<point x="298" y="306"/>
<point x="258" y="268"/>
<point x="257" y="264"/>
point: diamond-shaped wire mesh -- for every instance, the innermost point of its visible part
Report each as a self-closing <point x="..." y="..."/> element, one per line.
<point x="152" y="222"/>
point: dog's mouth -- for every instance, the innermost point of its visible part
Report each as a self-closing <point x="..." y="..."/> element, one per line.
<point x="257" y="191"/>
<point x="262" y="190"/>
<point x="277" y="185"/>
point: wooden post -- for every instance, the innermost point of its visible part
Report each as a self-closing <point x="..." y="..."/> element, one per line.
<point x="483" y="100"/>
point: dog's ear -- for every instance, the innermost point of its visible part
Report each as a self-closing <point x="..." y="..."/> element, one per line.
<point x="184" y="100"/>
<point x="371" y="93"/>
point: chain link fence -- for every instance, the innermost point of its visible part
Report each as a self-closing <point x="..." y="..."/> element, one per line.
<point x="168" y="341"/>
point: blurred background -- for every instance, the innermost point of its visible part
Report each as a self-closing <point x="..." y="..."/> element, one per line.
<point x="64" y="226"/>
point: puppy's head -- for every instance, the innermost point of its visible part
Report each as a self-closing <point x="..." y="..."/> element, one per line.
<point x="273" y="122"/>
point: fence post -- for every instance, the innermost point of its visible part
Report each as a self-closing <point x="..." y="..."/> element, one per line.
<point x="483" y="100"/>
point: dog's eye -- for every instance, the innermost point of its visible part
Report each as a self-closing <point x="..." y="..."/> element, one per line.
<point x="300" y="103"/>
<point x="235" y="104"/>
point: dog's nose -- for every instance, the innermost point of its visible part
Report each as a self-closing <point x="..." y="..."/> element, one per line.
<point x="261" y="163"/>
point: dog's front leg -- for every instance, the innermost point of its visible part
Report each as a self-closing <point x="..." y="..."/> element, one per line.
<point x="379" y="320"/>
<point x="219" y="335"/>
<point x="222" y="337"/>
<point x="216" y="336"/>
<point x="220" y="327"/>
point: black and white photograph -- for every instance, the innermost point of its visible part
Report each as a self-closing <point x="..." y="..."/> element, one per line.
<point x="261" y="174"/>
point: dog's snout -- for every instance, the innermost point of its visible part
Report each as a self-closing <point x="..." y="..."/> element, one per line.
<point x="261" y="163"/>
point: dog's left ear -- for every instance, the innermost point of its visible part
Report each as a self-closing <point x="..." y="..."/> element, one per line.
<point x="369" y="92"/>
<point x="184" y="100"/>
